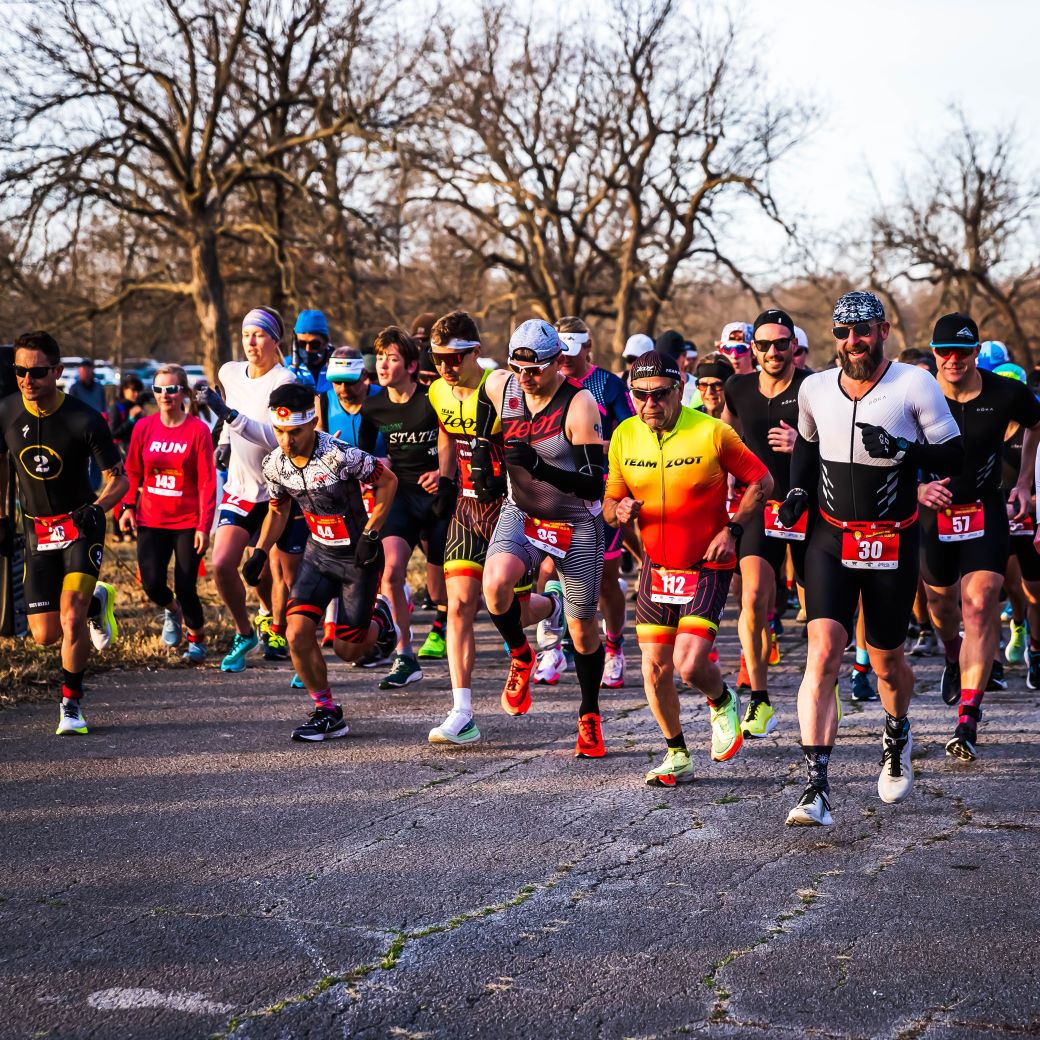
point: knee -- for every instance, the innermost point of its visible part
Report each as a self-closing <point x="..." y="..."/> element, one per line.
<point x="73" y="620"/>
<point x="889" y="668"/>
<point x="225" y="569"/>
<point x="45" y="632"/>
<point x="298" y="633"/>
<point x="979" y="608"/>
<point x="584" y="636"/>
<point x="655" y="672"/>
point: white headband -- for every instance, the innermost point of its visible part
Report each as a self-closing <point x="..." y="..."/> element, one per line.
<point x="287" y="417"/>
<point x="460" y="344"/>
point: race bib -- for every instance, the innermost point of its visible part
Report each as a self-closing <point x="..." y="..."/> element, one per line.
<point x="234" y="504"/>
<point x="675" y="587"/>
<point x="166" y="482"/>
<point x="789" y="534"/>
<point x="329" y="530"/>
<point x="551" y="536"/>
<point x="55" y="532"/>
<point x="870" y="550"/>
<point x="961" y="523"/>
<point x="1024" y="528"/>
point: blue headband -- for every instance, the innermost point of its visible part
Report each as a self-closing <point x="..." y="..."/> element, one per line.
<point x="258" y="318"/>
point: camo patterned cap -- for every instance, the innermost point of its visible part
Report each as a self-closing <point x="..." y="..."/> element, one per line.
<point x="858" y="306"/>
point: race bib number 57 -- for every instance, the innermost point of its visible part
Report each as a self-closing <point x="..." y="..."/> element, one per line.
<point x="961" y="523"/>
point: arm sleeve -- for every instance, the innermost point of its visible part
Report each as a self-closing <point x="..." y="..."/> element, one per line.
<point x="945" y="459"/>
<point x="805" y="465"/>
<point x="616" y="488"/>
<point x="736" y="457"/>
<point x="586" y="482"/>
<point x="102" y="447"/>
<point x="207" y="478"/>
<point x="806" y="420"/>
<point x="486" y="414"/>
<point x="252" y="431"/>
<point x="134" y="467"/>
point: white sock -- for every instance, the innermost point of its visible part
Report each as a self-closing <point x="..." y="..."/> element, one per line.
<point x="463" y="698"/>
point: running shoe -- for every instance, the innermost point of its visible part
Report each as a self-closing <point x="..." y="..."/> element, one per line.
<point x="296" y="683"/>
<point x="516" y="694"/>
<point x="382" y="651"/>
<point x="925" y="645"/>
<point x="897" y="772"/>
<point x="277" y="648"/>
<point x="759" y="719"/>
<point x="726" y="735"/>
<point x="950" y="685"/>
<point x="104" y="629"/>
<point x="434" y="649"/>
<point x="813" y="809"/>
<point x="457" y="728"/>
<point x="172" y="625"/>
<point x="743" y="678"/>
<point x="405" y="670"/>
<point x="862" y="688"/>
<point x="262" y="622"/>
<point x="328" y="636"/>
<point x="70" y="719"/>
<point x="195" y="654"/>
<point x="323" y="724"/>
<point x="550" y="630"/>
<point x="551" y="665"/>
<point x="675" y="769"/>
<point x="235" y="659"/>
<point x="1033" y="675"/>
<point x="590" y="737"/>
<point x="801" y="617"/>
<point x="613" y="669"/>
<point x="997" y="681"/>
<point x="1015" y="651"/>
<point x="774" y="650"/>
<point x="1006" y="613"/>
<point x="962" y="745"/>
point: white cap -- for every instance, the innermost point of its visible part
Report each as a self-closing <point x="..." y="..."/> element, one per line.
<point x="735" y="326"/>
<point x="801" y="338"/>
<point x="637" y="346"/>
<point x="573" y="342"/>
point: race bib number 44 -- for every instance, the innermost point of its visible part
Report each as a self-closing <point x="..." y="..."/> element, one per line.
<point x="870" y="550"/>
<point x="675" y="587"/>
<point x="961" y="523"/>
<point x="329" y="530"/>
<point x="789" y="534"/>
<point x="551" y="536"/>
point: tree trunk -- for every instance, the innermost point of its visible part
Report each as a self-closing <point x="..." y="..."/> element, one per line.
<point x="210" y="305"/>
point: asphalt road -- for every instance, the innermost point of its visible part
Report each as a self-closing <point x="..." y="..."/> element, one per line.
<point x="186" y="871"/>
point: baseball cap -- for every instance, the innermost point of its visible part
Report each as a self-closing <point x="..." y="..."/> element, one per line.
<point x="955" y="330"/>
<point x="992" y="354"/>
<point x="345" y="369"/>
<point x="573" y="342"/>
<point x="654" y="363"/>
<point x="671" y="344"/>
<point x="773" y="316"/>
<point x="311" y="323"/>
<point x="858" y="306"/>
<point x="742" y="327"/>
<point x="801" y="337"/>
<point x="422" y="324"/>
<point x="691" y="348"/>
<point x="534" y="340"/>
<point x="1011" y="371"/>
<point x="637" y="345"/>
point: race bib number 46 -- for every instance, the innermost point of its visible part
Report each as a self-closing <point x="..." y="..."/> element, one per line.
<point x="961" y="523"/>
<point x="789" y="534"/>
<point x="870" y="550"/>
<point x="551" y="536"/>
<point x="675" y="587"/>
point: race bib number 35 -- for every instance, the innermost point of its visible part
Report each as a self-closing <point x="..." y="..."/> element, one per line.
<point x="961" y="523"/>
<point x="789" y="534"/>
<point x="675" y="587"/>
<point x="870" y="550"/>
<point x="550" y="536"/>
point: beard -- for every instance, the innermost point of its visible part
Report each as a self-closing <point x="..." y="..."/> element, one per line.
<point x="866" y="366"/>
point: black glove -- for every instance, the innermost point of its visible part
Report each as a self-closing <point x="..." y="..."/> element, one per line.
<point x="486" y="484"/>
<point x="222" y="457"/>
<point x="6" y="537"/>
<point x="85" y="515"/>
<point x="444" y="501"/>
<point x="254" y="567"/>
<point x="369" y="552"/>
<point x="520" y="453"/>
<point x="880" y="444"/>
<point x="212" y="400"/>
<point x="794" y="505"/>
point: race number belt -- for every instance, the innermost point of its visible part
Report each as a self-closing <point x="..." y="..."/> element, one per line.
<point x="54" y="532"/>
<point x="234" y="504"/>
<point x="329" y="530"/>
<point x="870" y="545"/>
<point x="168" y="483"/>
<point x="960" y="523"/>
<point x="1021" y="528"/>
<point x="551" y="536"/>
<point x="789" y="534"/>
<point x="672" y="586"/>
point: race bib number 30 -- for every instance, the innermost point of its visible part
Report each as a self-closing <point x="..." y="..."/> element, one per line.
<point x="329" y="530"/>
<point x="961" y="523"/>
<point x="789" y="534"/>
<point x="56" y="533"/>
<point x="550" y="536"/>
<point x="675" y="587"/>
<point x="870" y="550"/>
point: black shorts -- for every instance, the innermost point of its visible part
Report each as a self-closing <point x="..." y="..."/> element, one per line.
<point x="411" y="518"/>
<point x="50" y="571"/>
<point x="1028" y="558"/>
<point x="755" y="542"/>
<point x="699" y="615"/>
<point x="323" y="577"/>
<point x="234" y="513"/>
<point x="832" y="590"/>
<point x="944" y="563"/>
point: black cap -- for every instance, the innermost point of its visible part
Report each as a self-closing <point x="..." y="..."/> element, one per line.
<point x="654" y="363"/>
<point x="426" y="365"/>
<point x="671" y="344"/>
<point x="955" y="330"/>
<point x="774" y="316"/>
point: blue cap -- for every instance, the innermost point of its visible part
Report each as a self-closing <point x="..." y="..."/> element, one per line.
<point x="1011" y="371"/>
<point x="991" y="354"/>
<point x="534" y="340"/>
<point x="311" y="323"/>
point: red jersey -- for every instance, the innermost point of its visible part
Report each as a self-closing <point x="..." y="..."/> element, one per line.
<point x="172" y="468"/>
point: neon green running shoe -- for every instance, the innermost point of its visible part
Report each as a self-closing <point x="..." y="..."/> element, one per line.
<point x="726" y="735"/>
<point x="759" y="719"/>
<point x="837" y="700"/>
<point x="1015" y="651"/>
<point x="434" y="648"/>
<point x="675" y="769"/>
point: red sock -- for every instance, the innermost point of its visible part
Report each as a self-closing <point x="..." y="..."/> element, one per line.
<point x="323" y="699"/>
<point x="970" y="712"/>
<point x="278" y="630"/>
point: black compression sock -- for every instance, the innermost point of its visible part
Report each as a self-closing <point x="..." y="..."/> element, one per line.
<point x="510" y="626"/>
<point x="896" y="727"/>
<point x="440" y="622"/>
<point x="817" y="759"/>
<point x="589" y="669"/>
<point x="678" y="743"/>
<point x="760" y="695"/>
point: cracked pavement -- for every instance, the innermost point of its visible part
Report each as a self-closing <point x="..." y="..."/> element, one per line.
<point x="186" y="871"/>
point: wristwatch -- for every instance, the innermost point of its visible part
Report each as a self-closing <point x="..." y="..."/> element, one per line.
<point x="231" y="416"/>
<point x="735" y="529"/>
<point x="902" y="444"/>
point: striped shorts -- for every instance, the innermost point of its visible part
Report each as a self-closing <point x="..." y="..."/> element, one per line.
<point x="700" y="615"/>
<point x="580" y="570"/>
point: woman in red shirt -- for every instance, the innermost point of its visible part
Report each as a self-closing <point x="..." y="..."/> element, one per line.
<point x="170" y="504"/>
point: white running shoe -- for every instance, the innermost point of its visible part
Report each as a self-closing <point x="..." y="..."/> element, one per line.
<point x="551" y="665"/>
<point x="813" y="810"/>
<point x="897" y="773"/>
<point x="613" y="670"/>
<point x="104" y="629"/>
<point x="70" y="719"/>
<point x="550" y="630"/>
<point x="457" y="728"/>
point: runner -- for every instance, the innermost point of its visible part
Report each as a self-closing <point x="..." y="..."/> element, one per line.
<point x="763" y="407"/>
<point x="339" y="408"/>
<point x="403" y="415"/>
<point x="635" y="347"/>
<point x="801" y="350"/>
<point x="735" y="346"/>
<point x="310" y="350"/>
<point x="343" y="558"/>
<point x="52" y="439"/>
<point x="711" y="374"/>
<point x="669" y="468"/>
<point x="965" y="540"/>
<point x="170" y="505"/>
<point x="859" y="426"/>
<point x="554" y="461"/>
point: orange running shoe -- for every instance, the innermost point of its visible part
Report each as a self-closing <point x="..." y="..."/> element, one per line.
<point x="516" y="695"/>
<point x="590" y="737"/>
<point x="774" y="651"/>
<point x="743" y="679"/>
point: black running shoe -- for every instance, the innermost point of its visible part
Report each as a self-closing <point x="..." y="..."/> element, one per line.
<point x="1033" y="675"/>
<point x="996" y="677"/>
<point x="324" y="724"/>
<point x="963" y="744"/>
<point x="951" y="682"/>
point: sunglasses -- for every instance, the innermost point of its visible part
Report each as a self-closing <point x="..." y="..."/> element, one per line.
<point x="530" y="369"/>
<point x="653" y="395"/>
<point x="947" y="350"/>
<point x="452" y="359"/>
<point x="781" y="346"/>
<point x="713" y="386"/>
<point x="36" y="372"/>
<point x="167" y="391"/>
<point x="799" y="351"/>
<point x="861" y="328"/>
<point x="736" y="349"/>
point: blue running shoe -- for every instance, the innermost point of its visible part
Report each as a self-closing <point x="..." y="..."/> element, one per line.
<point x="296" y="683"/>
<point x="171" y="630"/>
<point x="235" y="661"/>
<point x="195" y="654"/>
